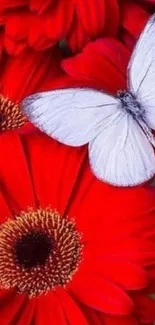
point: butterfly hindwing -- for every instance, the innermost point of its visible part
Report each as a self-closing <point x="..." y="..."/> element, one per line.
<point x="121" y="154"/>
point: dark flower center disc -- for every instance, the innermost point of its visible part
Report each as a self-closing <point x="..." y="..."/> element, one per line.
<point x="33" y="249"/>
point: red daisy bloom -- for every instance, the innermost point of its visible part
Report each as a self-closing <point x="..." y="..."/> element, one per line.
<point x="30" y="23"/>
<point x="66" y="234"/>
<point x="21" y="76"/>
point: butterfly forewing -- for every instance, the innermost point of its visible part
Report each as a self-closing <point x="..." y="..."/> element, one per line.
<point x="71" y="116"/>
<point x="141" y="72"/>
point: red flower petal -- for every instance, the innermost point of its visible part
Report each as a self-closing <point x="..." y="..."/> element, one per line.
<point x="5" y="211"/>
<point x="77" y="37"/>
<point x="40" y="6"/>
<point x="92" y="315"/>
<point x="100" y="294"/>
<point x="48" y="308"/>
<point x="91" y="14"/>
<point x="26" y="315"/>
<point x="124" y="274"/>
<point x="14" y="48"/>
<point x="58" y="24"/>
<point x="116" y="320"/>
<point x="36" y="69"/>
<point x="139" y="251"/>
<point x="17" y="25"/>
<point x="129" y="21"/>
<point x="7" y="4"/>
<point x="10" y="305"/>
<point x="145" y="308"/>
<point x="63" y="163"/>
<point x="15" y="181"/>
<point x="37" y="37"/>
<point x="96" y="63"/>
<point x="112" y="18"/>
<point x="72" y="311"/>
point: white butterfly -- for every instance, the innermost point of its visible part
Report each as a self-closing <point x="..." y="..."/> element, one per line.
<point x="118" y="129"/>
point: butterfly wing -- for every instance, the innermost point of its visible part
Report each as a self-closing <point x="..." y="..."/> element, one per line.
<point x="121" y="154"/>
<point x="71" y="116"/>
<point x="141" y="72"/>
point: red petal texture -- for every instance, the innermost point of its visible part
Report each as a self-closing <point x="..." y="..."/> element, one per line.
<point x="37" y="68"/>
<point x="134" y="23"/>
<point x="102" y="295"/>
<point x="145" y="310"/>
<point x="92" y="15"/>
<point x="7" y="4"/>
<point x="57" y="24"/>
<point x="104" y="57"/>
<point x="40" y="6"/>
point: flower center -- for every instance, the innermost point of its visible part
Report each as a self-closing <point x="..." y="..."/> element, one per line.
<point x="130" y="104"/>
<point x="39" y="250"/>
<point x="11" y="116"/>
<point x="33" y="249"/>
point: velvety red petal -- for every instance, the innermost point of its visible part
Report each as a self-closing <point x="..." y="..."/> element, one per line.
<point x="71" y="310"/>
<point x="77" y="38"/>
<point x="37" y="37"/>
<point x="124" y="274"/>
<point x="98" y="293"/>
<point x="10" y="304"/>
<point x="92" y="315"/>
<point x="139" y="252"/>
<point x="129" y="21"/>
<point x="16" y="27"/>
<point x="99" y="59"/>
<point x="145" y="308"/>
<point x="112" y="320"/>
<point x="7" y="4"/>
<point x="48" y="308"/>
<point x="14" y="48"/>
<point x="59" y="22"/>
<point x="14" y="173"/>
<point x="91" y="14"/>
<point x="26" y="314"/>
<point x="5" y="212"/>
<point x="36" y="69"/>
<point x="54" y="168"/>
<point x="112" y="18"/>
<point x="40" y="6"/>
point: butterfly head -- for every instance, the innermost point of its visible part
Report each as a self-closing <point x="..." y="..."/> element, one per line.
<point x="130" y="104"/>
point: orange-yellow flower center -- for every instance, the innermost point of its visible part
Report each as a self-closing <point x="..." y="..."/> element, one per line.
<point x="39" y="250"/>
<point x="11" y="115"/>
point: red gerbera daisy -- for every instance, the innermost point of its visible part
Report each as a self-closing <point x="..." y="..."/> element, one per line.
<point x="30" y="23"/>
<point x="66" y="234"/>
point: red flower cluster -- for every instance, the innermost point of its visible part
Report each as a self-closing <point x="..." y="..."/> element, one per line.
<point x="41" y="24"/>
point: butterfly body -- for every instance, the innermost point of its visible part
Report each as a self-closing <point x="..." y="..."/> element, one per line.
<point x="130" y="104"/>
<point x="118" y="129"/>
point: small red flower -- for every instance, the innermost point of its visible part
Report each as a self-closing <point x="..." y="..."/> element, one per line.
<point x="42" y="24"/>
<point x="94" y="245"/>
